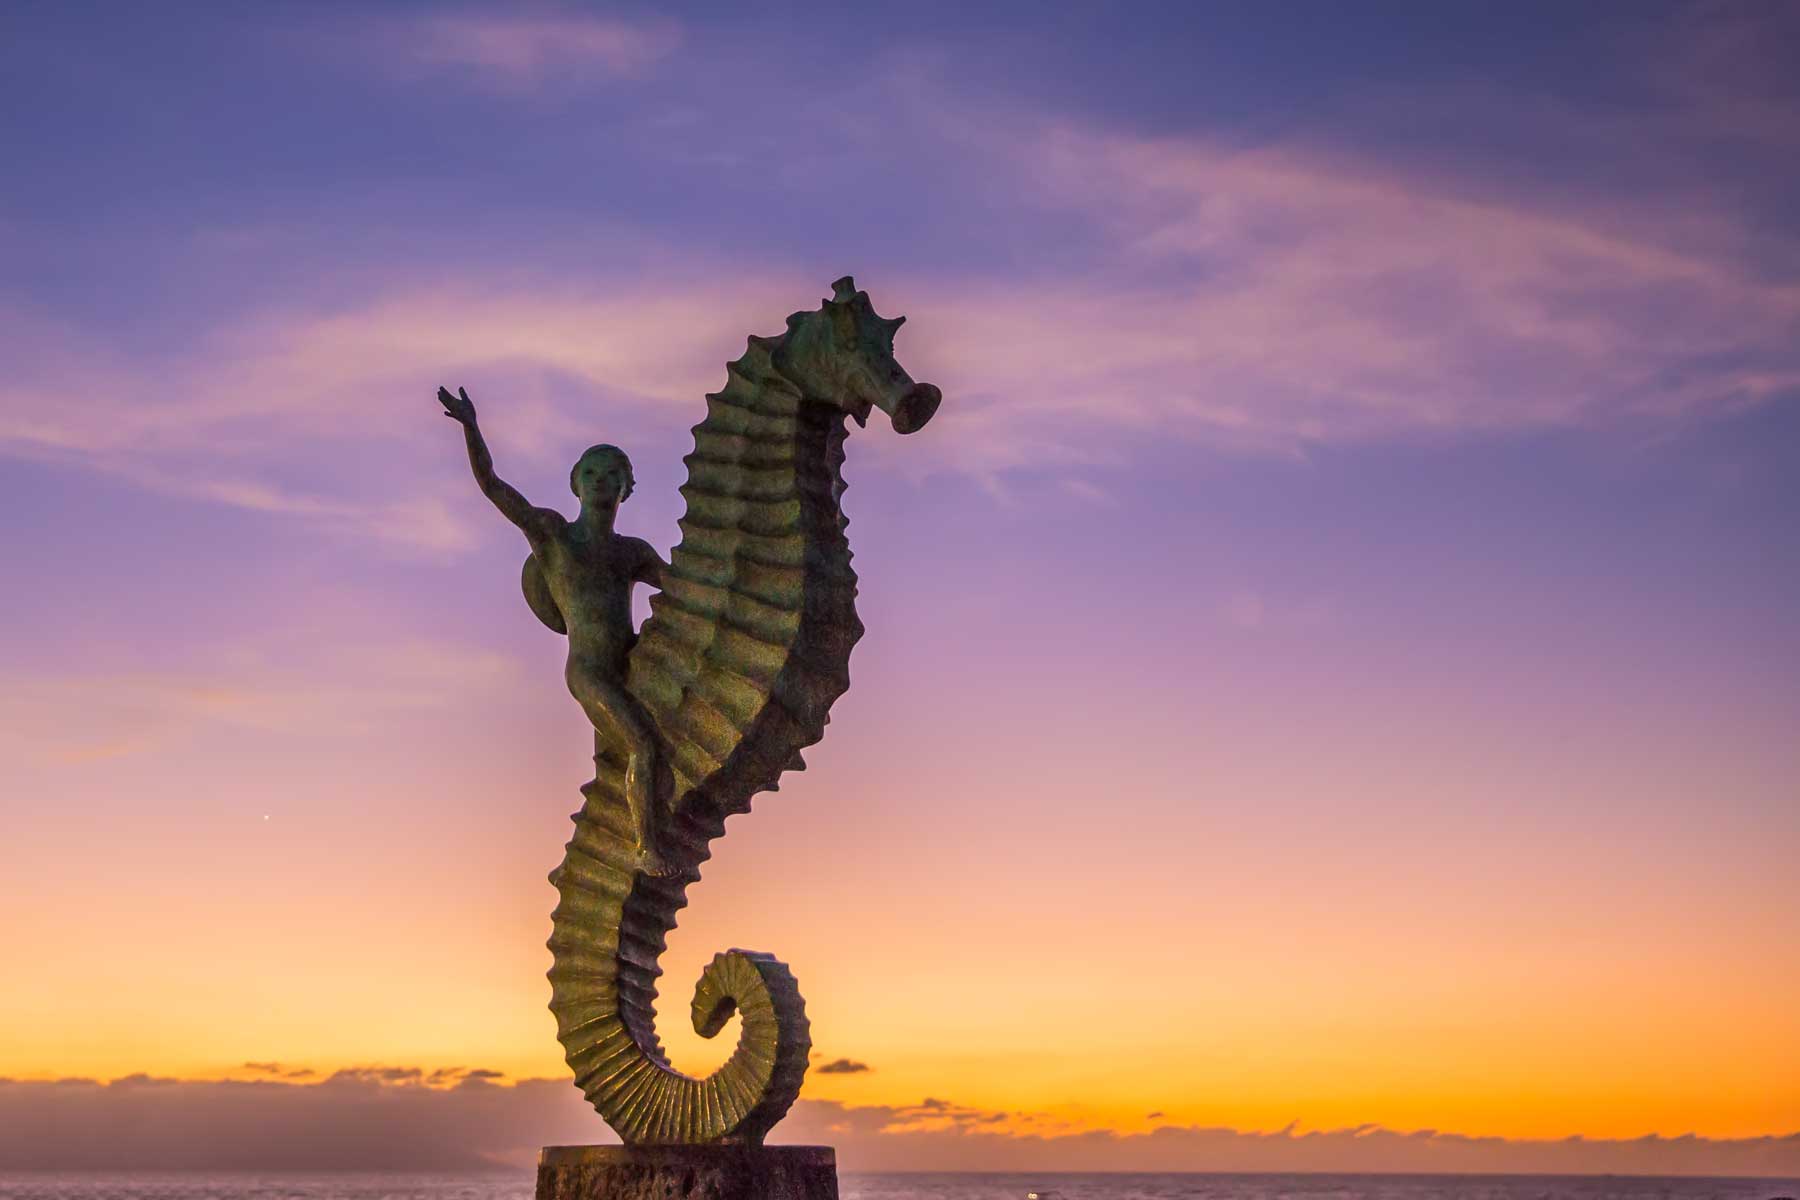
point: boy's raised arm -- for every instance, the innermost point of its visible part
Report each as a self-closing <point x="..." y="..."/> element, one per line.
<point x="507" y="498"/>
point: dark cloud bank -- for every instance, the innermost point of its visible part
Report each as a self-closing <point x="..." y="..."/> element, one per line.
<point x="401" y="1117"/>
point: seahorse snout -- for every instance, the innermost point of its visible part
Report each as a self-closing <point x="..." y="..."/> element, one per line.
<point x="916" y="407"/>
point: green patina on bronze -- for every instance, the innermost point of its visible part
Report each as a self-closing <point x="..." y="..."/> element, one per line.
<point x="747" y="647"/>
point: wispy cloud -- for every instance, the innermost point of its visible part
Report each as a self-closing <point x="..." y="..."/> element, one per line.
<point x="1282" y="298"/>
<point x="279" y="1070"/>
<point x="229" y="416"/>
<point x="422" y="524"/>
<point x="358" y="371"/>
<point x="514" y="50"/>
<point x="1274" y="298"/>
<point x="1260" y="300"/>
<point x="75" y="717"/>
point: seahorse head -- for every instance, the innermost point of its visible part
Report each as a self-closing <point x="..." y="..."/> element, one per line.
<point x="843" y="354"/>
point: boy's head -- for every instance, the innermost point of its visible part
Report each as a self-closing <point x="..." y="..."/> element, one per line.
<point x="602" y="475"/>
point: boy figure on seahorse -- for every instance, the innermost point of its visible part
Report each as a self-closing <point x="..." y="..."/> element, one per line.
<point x="578" y="581"/>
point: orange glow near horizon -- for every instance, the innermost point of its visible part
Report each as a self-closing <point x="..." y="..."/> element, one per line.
<point x="1090" y="1003"/>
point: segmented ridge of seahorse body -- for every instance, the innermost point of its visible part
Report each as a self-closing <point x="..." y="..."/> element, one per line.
<point x="747" y="647"/>
<point x="748" y="644"/>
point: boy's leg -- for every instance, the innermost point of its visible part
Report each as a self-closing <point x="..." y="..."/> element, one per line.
<point x="640" y="792"/>
<point x="611" y="710"/>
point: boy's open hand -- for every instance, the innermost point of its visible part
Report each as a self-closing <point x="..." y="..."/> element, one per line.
<point x="458" y="407"/>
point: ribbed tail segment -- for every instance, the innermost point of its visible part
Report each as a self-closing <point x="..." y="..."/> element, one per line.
<point x="747" y="647"/>
<point x="608" y="931"/>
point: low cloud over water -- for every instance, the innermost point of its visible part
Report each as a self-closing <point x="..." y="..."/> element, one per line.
<point x="409" y="1118"/>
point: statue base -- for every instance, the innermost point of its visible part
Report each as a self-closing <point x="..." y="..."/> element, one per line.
<point x="687" y="1173"/>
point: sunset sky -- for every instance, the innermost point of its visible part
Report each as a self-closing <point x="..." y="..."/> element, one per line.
<point x="1334" y="657"/>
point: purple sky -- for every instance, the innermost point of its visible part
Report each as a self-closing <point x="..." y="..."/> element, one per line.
<point x="1352" y="577"/>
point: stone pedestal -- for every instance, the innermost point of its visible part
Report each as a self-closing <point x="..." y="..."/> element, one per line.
<point x="687" y="1173"/>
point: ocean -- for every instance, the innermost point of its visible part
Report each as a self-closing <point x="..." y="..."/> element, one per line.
<point x="1049" y="1186"/>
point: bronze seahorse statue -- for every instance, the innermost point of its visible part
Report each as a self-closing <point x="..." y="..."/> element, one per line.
<point x="747" y="646"/>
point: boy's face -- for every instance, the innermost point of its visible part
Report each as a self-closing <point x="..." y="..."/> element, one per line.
<point x="599" y="481"/>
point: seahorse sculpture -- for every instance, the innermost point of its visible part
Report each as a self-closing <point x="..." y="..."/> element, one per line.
<point x="747" y="647"/>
